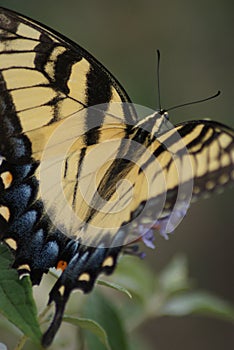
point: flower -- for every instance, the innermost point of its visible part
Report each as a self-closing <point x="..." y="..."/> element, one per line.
<point x="148" y="239"/>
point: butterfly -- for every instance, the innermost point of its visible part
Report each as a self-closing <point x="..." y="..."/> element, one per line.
<point x="81" y="176"/>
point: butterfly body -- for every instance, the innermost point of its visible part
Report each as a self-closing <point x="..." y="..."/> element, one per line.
<point x="63" y="119"/>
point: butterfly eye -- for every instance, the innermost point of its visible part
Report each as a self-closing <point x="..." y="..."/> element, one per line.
<point x="166" y="115"/>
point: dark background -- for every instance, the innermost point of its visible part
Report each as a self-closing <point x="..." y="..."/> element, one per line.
<point x="196" y="43"/>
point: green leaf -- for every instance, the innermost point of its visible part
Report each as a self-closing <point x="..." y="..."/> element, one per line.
<point x="100" y="309"/>
<point x="91" y="326"/>
<point x="16" y="300"/>
<point x="114" y="286"/>
<point x="174" y="277"/>
<point x="135" y="275"/>
<point x="199" y="303"/>
<point x="137" y="342"/>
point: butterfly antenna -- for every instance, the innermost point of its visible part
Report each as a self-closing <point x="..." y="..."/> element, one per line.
<point x="158" y="79"/>
<point x="194" y="102"/>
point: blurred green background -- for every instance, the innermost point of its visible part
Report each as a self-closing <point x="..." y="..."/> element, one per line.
<point x="197" y="48"/>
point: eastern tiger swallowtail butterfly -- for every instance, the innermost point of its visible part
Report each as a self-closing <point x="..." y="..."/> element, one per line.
<point x="46" y="82"/>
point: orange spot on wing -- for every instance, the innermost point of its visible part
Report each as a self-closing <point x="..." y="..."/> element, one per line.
<point x="61" y="265"/>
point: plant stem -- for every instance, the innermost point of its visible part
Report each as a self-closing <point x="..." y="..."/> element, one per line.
<point x="21" y="343"/>
<point x="43" y="313"/>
